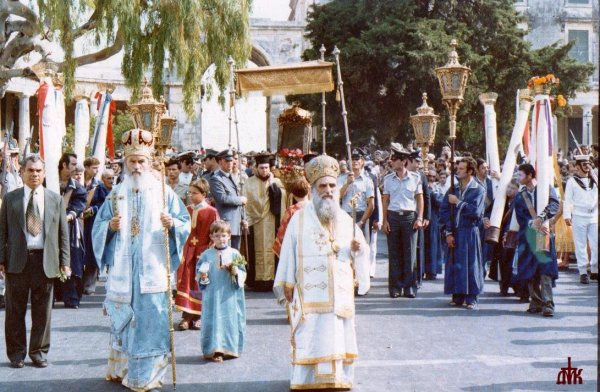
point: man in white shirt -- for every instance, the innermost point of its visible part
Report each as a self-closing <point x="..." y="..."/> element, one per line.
<point x="580" y="210"/>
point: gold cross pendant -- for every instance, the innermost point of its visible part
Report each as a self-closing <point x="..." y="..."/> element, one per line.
<point x="135" y="226"/>
<point x="194" y="241"/>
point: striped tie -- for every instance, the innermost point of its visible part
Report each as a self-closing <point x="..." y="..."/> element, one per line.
<point x="32" y="216"/>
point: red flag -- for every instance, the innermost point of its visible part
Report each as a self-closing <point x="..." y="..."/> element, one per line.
<point x="41" y="93"/>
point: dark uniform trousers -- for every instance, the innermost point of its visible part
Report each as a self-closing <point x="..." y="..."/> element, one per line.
<point x="402" y="250"/>
<point x="18" y="286"/>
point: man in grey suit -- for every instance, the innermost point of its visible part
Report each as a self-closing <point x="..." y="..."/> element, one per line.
<point x="227" y="196"/>
<point x="34" y="249"/>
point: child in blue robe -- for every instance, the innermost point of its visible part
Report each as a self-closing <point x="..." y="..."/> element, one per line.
<point x="221" y="273"/>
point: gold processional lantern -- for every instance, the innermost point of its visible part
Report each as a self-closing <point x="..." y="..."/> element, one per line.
<point x="424" y="124"/>
<point x="153" y="116"/>
<point x="453" y="81"/>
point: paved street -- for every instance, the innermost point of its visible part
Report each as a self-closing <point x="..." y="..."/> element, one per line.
<point x="405" y="345"/>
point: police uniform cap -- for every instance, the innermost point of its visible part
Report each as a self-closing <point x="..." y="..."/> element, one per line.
<point x="210" y="153"/>
<point x="399" y="152"/>
<point x="582" y="158"/>
<point x="416" y="154"/>
<point x="226" y="155"/>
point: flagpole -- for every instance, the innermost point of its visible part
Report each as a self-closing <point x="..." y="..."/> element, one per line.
<point x="323" y="105"/>
<point x="232" y="106"/>
<point x="336" y="53"/>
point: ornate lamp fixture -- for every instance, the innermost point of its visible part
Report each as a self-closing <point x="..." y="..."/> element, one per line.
<point x="453" y="80"/>
<point x="424" y="124"/>
<point x="162" y="139"/>
<point x="148" y="111"/>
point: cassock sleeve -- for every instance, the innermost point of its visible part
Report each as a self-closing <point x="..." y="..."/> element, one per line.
<point x="446" y="225"/>
<point x="103" y="238"/>
<point x="181" y="227"/>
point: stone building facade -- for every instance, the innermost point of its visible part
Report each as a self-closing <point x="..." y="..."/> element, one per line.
<point x="551" y="21"/>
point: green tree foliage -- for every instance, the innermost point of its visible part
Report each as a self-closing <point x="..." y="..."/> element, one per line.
<point x="391" y="47"/>
<point x="122" y="122"/>
<point x="180" y="37"/>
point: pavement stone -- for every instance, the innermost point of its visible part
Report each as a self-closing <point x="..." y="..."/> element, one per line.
<point x="404" y="345"/>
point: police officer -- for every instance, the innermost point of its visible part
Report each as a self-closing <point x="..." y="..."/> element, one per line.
<point x="402" y="216"/>
<point x="228" y="197"/>
<point x="210" y="164"/>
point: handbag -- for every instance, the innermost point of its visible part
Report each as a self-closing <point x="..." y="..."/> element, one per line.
<point x="512" y="239"/>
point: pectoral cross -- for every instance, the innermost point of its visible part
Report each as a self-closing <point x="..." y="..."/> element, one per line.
<point x="114" y="198"/>
<point x="194" y="241"/>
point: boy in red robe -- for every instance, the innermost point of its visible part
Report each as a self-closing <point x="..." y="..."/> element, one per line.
<point x="203" y="215"/>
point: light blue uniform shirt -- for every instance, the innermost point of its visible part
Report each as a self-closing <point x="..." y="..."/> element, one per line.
<point x="362" y="185"/>
<point x="402" y="192"/>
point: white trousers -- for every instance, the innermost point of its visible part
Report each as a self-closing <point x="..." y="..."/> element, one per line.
<point x="373" y="254"/>
<point x="585" y="230"/>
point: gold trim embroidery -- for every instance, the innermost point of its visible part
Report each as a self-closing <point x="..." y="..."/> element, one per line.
<point x="312" y="361"/>
<point x="321" y="385"/>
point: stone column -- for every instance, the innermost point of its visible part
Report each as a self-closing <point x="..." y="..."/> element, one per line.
<point x="587" y="125"/>
<point x="24" y="124"/>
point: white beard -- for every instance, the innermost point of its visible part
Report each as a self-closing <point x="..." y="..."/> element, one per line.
<point x="140" y="182"/>
<point x="326" y="209"/>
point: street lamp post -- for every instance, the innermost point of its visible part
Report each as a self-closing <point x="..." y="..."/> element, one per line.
<point x="424" y="124"/>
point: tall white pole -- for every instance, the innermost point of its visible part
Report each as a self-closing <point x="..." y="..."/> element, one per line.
<point x="82" y="127"/>
<point x="510" y="161"/>
<point x="491" y="135"/>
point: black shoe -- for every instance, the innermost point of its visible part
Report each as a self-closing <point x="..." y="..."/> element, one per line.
<point x="548" y="312"/>
<point x="584" y="279"/>
<point x="504" y="293"/>
<point x="594" y="276"/>
<point x="17" y="364"/>
<point x="40" y="363"/>
<point x="70" y="306"/>
<point x="395" y="294"/>
<point x="88" y="292"/>
<point x="534" y="310"/>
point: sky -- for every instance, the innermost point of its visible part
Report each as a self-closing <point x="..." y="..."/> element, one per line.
<point x="271" y="9"/>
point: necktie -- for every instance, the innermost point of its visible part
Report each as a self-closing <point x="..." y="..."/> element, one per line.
<point x="32" y="216"/>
